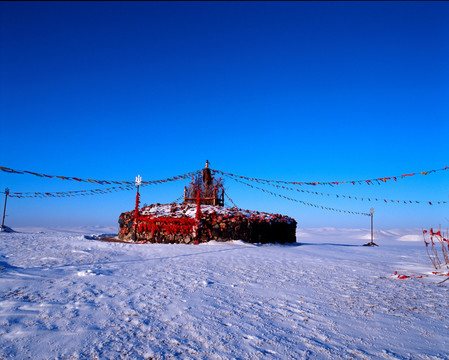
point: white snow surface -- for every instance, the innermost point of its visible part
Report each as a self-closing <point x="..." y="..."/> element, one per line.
<point x="189" y="210"/>
<point x="63" y="296"/>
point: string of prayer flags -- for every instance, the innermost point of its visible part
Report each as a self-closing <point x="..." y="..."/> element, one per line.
<point x="300" y="201"/>
<point x="99" y="182"/>
<point x="128" y="186"/>
<point x="280" y="184"/>
<point x="69" y="193"/>
<point x="378" y="180"/>
<point x="353" y="197"/>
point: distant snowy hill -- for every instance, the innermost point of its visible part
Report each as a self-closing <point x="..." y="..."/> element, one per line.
<point x="327" y="297"/>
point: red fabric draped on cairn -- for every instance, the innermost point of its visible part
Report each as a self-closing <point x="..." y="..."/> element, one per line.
<point x="176" y="223"/>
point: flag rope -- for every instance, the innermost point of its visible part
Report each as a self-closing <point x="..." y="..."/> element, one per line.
<point x="232" y="202"/>
<point x="94" y="181"/>
<point x="126" y="187"/>
<point x="354" y="197"/>
<point x="70" y="193"/>
<point x="379" y="180"/>
<point x="178" y="199"/>
<point x="300" y="201"/>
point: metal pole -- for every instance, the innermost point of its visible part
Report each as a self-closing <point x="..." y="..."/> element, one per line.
<point x="371" y="243"/>
<point x="4" y="209"/>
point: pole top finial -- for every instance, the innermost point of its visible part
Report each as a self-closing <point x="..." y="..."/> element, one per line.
<point x="138" y="180"/>
<point x="7" y="191"/>
<point x="207" y="164"/>
<point x="371" y="211"/>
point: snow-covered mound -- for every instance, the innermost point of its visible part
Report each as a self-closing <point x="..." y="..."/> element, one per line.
<point x="189" y="210"/>
<point x="63" y="296"/>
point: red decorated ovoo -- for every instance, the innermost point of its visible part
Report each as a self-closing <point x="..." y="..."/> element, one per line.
<point x="202" y="217"/>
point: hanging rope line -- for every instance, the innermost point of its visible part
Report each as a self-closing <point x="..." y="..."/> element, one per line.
<point x="128" y="185"/>
<point x="125" y="187"/>
<point x="70" y="193"/>
<point x="379" y="180"/>
<point x="232" y="202"/>
<point x="300" y="201"/>
<point x="178" y="200"/>
<point x="354" y="197"/>
<point x="100" y="182"/>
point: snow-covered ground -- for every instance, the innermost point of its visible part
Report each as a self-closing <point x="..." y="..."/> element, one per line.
<point x="63" y="296"/>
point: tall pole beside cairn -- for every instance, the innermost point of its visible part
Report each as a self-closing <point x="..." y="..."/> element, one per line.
<point x="4" y="209"/>
<point x="198" y="212"/>
<point x="136" y="212"/>
<point x="371" y="243"/>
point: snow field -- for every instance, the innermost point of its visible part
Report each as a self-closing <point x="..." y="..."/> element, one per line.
<point x="63" y="296"/>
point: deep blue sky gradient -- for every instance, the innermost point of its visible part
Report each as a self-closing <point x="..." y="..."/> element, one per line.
<point x="299" y="91"/>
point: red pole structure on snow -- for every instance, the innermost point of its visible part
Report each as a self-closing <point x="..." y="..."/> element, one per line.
<point x="136" y="212"/>
<point x="198" y="206"/>
<point x="198" y="211"/>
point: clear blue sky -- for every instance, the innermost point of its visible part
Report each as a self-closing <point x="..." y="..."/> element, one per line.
<point x="299" y="91"/>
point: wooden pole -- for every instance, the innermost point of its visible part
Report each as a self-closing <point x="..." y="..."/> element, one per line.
<point x="4" y="208"/>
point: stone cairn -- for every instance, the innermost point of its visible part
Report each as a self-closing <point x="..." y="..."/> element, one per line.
<point x="180" y="223"/>
<point x="202" y="217"/>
